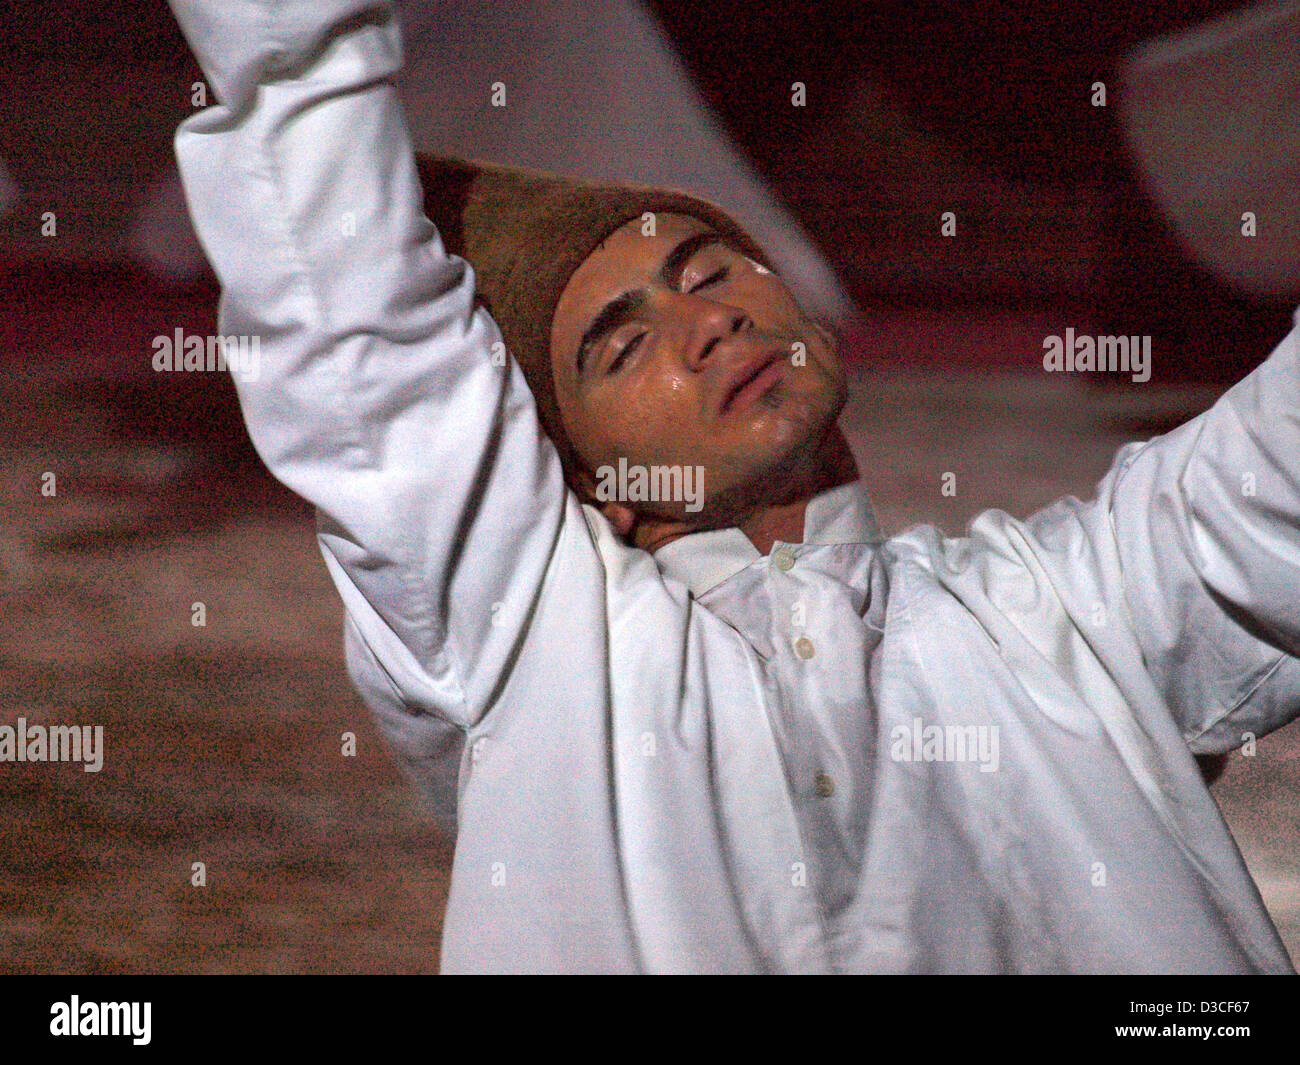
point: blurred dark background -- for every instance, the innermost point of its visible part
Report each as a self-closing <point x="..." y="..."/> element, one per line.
<point x="913" y="109"/>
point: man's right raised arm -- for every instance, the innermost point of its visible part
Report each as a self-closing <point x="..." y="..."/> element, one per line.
<point x="377" y="397"/>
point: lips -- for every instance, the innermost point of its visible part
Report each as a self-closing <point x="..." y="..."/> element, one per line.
<point x="750" y="380"/>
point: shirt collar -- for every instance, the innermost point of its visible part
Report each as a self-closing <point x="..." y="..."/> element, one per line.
<point x="704" y="560"/>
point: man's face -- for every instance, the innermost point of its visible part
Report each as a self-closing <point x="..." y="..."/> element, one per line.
<point x="676" y="350"/>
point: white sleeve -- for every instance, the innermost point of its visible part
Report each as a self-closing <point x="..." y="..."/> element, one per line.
<point x="1206" y="523"/>
<point x="378" y="398"/>
<point x="1185" y="569"/>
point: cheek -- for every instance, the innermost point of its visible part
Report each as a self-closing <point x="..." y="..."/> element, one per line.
<point x="642" y="418"/>
<point x="784" y="307"/>
<point x="782" y="314"/>
<point x="769" y="303"/>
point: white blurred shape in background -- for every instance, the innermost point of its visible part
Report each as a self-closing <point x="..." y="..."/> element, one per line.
<point x="601" y="97"/>
<point x="1213" y="117"/>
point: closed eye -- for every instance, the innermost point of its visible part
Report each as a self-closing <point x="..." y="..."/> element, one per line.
<point x="719" y="274"/>
<point x="622" y="356"/>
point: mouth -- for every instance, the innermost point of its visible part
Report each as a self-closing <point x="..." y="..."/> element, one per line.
<point x="752" y="380"/>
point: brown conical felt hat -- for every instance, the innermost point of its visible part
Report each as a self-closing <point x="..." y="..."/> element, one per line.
<point x="525" y="233"/>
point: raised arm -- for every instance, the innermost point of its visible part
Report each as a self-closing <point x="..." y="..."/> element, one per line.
<point x="378" y="400"/>
<point x="1182" y="578"/>
<point x="1206" y="526"/>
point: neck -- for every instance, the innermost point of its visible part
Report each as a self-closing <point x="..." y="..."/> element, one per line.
<point x="781" y="519"/>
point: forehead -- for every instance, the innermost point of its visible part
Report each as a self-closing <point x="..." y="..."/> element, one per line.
<point x="626" y="260"/>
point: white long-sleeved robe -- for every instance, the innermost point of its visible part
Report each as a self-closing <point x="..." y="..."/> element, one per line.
<point x="707" y="759"/>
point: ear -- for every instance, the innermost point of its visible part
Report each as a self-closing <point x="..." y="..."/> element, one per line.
<point x="619" y="515"/>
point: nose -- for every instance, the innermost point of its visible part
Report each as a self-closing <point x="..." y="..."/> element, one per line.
<point x="704" y="324"/>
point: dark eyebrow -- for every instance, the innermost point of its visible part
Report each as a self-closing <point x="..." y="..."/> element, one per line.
<point x="670" y="272"/>
<point x="617" y="311"/>
<point x="624" y="307"/>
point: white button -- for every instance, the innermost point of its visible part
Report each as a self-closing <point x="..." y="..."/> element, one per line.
<point x="476" y="751"/>
<point x="803" y="647"/>
<point x="783" y="559"/>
